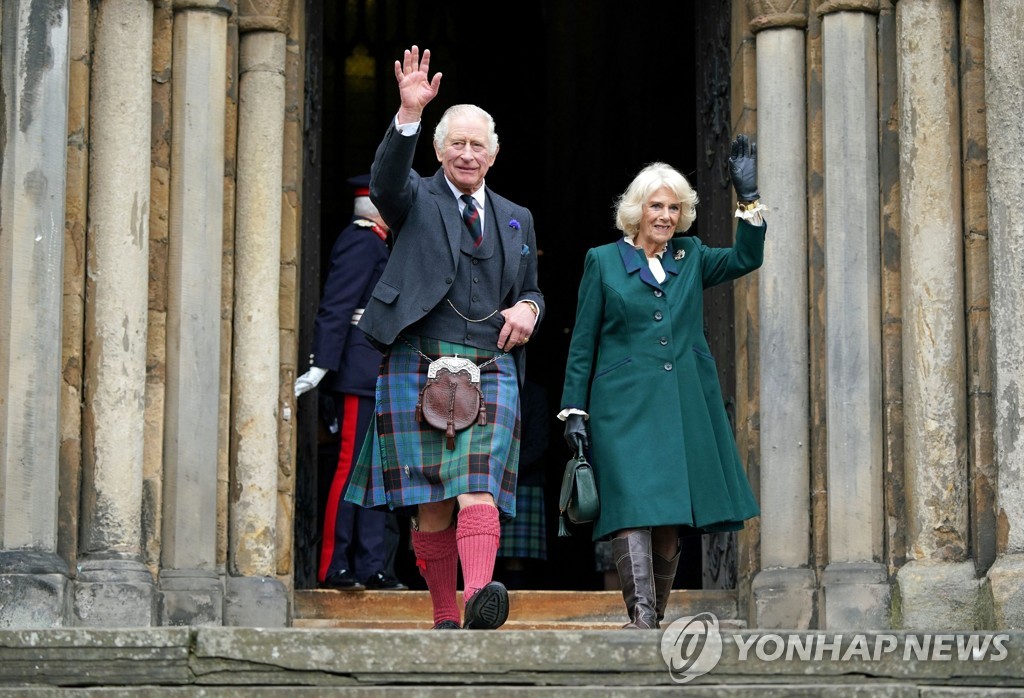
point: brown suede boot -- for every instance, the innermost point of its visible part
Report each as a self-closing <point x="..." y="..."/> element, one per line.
<point x="664" y="576"/>
<point x="632" y="555"/>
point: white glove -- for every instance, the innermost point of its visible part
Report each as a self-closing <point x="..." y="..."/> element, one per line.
<point x="309" y="380"/>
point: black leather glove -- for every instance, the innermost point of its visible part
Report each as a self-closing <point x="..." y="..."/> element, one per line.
<point x="743" y="169"/>
<point x="576" y="433"/>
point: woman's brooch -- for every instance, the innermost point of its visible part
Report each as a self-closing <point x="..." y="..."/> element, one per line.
<point x="679" y="254"/>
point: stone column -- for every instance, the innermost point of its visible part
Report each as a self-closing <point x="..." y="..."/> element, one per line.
<point x="191" y="592"/>
<point x="977" y="288"/>
<point x="254" y="596"/>
<point x="114" y="587"/>
<point x="1004" y="92"/>
<point x="854" y="583"/>
<point x="34" y="39"/>
<point x="937" y="587"/>
<point x="784" y="590"/>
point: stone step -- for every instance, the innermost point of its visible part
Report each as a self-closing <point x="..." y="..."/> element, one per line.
<point x="528" y="610"/>
<point x="224" y="662"/>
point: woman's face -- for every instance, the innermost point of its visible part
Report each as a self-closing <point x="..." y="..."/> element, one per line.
<point x="659" y="218"/>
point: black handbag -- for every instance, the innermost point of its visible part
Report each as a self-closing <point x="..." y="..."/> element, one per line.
<point x="578" y="499"/>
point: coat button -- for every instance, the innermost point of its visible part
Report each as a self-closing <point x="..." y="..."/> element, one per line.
<point x="426" y="308"/>
<point x="658" y="294"/>
<point x="668" y="366"/>
<point x="657" y="315"/>
<point x="663" y="341"/>
<point x="449" y="281"/>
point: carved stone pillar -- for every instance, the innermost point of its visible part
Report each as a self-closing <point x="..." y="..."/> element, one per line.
<point x="34" y="36"/>
<point x="114" y="587"/>
<point x="937" y="587"/>
<point x="1004" y="92"/>
<point x="191" y="592"/>
<point x="855" y="589"/>
<point x="784" y="590"/>
<point x="253" y="595"/>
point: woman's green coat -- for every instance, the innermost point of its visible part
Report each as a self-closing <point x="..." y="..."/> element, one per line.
<point x="661" y="443"/>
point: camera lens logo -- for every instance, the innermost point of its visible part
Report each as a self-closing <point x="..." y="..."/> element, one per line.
<point x="691" y="646"/>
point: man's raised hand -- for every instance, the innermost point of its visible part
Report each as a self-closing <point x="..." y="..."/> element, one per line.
<point x="415" y="88"/>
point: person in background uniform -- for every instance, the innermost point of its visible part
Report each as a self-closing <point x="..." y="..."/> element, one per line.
<point x="356" y="541"/>
<point x="524" y="538"/>
<point x="640" y="371"/>
<point x="461" y="281"/>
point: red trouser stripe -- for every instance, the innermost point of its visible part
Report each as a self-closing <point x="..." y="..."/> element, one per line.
<point x="349" y="421"/>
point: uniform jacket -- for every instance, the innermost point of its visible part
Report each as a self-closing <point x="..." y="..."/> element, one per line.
<point x="639" y="364"/>
<point x="358" y="258"/>
<point x="427" y="227"/>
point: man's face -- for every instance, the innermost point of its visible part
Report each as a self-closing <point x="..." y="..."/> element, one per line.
<point x="464" y="157"/>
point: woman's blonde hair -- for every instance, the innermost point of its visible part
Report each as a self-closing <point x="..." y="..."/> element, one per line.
<point x="629" y="207"/>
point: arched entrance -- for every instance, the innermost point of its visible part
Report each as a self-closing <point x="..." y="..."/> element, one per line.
<point x="583" y="95"/>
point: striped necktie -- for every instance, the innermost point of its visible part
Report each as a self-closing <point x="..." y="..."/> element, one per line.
<point x="472" y="217"/>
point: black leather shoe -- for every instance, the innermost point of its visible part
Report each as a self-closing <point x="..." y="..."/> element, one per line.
<point x="342" y="580"/>
<point x="446" y="625"/>
<point x="487" y="609"/>
<point x="382" y="580"/>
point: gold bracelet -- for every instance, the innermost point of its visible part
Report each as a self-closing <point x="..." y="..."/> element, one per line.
<point x="748" y="205"/>
<point x="533" y="307"/>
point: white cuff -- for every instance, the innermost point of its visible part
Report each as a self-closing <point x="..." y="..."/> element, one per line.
<point x="571" y="410"/>
<point x="752" y="216"/>
<point x="533" y="304"/>
<point x="410" y="129"/>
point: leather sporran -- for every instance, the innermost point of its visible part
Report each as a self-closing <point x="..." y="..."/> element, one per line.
<point x="578" y="499"/>
<point x="451" y="400"/>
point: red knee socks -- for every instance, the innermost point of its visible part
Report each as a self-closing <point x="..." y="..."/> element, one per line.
<point x="474" y="540"/>
<point x="438" y="560"/>
<point x="478" y="533"/>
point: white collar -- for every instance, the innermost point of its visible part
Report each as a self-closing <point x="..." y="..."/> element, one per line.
<point x="478" y="195"/>
<point x="660" y="253"/>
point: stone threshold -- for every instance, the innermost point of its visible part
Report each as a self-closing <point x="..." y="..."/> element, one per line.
<point x="528" y="609"/>
<point x="217" y="661"/>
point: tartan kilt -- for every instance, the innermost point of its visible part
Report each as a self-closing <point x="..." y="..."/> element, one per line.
<point x="404" y="462"/>
<point x="527" y="534"/>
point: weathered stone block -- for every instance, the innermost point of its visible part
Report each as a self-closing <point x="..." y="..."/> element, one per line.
<point x="190" y="597"/>
<point x="255" y="602"/>
<point x="33" y="600"/>
<point x="1006" y="586"/>
<point x="114" y="593"/>
<point x="784" y="598"/>
<point x="930" y="594"/>
<point x="856" y="595"/>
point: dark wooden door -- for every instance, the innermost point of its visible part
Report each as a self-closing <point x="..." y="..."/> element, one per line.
<point x="715" y="190"/>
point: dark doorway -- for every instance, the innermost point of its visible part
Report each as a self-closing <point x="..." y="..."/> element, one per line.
<point x="583" y="94"/>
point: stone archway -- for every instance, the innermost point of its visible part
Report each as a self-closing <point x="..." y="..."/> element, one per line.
<point x="569" y="146"/>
